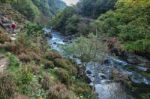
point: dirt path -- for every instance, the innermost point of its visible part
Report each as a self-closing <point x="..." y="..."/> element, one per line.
<point x="3" y="63"/>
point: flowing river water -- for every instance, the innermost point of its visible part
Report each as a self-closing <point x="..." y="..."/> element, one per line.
<point x="100" y="75"/>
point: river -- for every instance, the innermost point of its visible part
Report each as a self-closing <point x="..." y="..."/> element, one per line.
<point x="101" y="74"/>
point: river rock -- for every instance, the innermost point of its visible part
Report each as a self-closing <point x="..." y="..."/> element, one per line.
<point x="88" y="72"/>
<point x="142" y="68"/>
<point x="48" y="35"/>
<point x="114" y="51"/>
<point x="54" y="43"/>
<point x="133" y="60"/>
<point x="107" y="62"/>
<point x="103" y="76"/>
<point x="65" y="40"/>
<point x="88" y="80"/>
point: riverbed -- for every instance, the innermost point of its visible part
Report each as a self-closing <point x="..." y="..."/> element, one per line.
<point x="101" y="74"/>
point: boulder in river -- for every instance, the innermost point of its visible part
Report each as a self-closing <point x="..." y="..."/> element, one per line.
<point x="88" y="72"/>
<point x="54" y="43"/>
<point x="65" y="40"/>
<point x="48" y="35"/>
<point x="141" y="68"/>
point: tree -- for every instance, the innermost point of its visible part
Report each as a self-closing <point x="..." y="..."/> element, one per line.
<point x="87" y="48"/>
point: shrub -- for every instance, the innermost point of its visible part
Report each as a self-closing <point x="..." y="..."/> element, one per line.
<point x="25" y="76"/>
<point x="4" y="38"/>
<point x="26" y="81"/>
<point x="24" y="57"/>
<point x="58" y="91"/>
<point x="49" y="64"/>
<point x="13" y="60"/>
<point x="46" y="82"/>
<point x="81" y="88"/>
<point x="66" y="64"/>
<point x="9" y="47"/>
<point x="35" y="69"/>
<point x="60" y="63"/>
<point x="35" y="56"/>
<point x="52" y="55"/>
<point x="7" y="86"/>
<point x="63" y="76"/>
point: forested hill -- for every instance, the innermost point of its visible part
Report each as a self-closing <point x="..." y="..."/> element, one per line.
<point x="71" y="18"/>
<point x="93" y="8"/>
<point x="37" y="9"/>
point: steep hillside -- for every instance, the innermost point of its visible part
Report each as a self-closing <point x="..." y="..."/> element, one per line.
<point x="6" y="9"/>
<point x="37" y="9"/>
<point x="49" y="7"/>
<point x="30" y="69"/>
<point x="93" y="8"/>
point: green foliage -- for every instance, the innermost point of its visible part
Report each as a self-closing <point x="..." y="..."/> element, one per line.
<point x="130" y="23"/>
<point x="59" y="21"/>
<point x="72" y="25"/>
<point x="87" y="48"/>
<point x="76" y="19"/>
<point x="93" y="8"/>
<point x="13" y="61"/>
<point x="34" y="9"/>
<point x="26" y="76"/>
<point x="49" y="7"/>
<point x="34" y="30"/>
<point x="26" y="81"/>
<point x="27" y="8"/>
